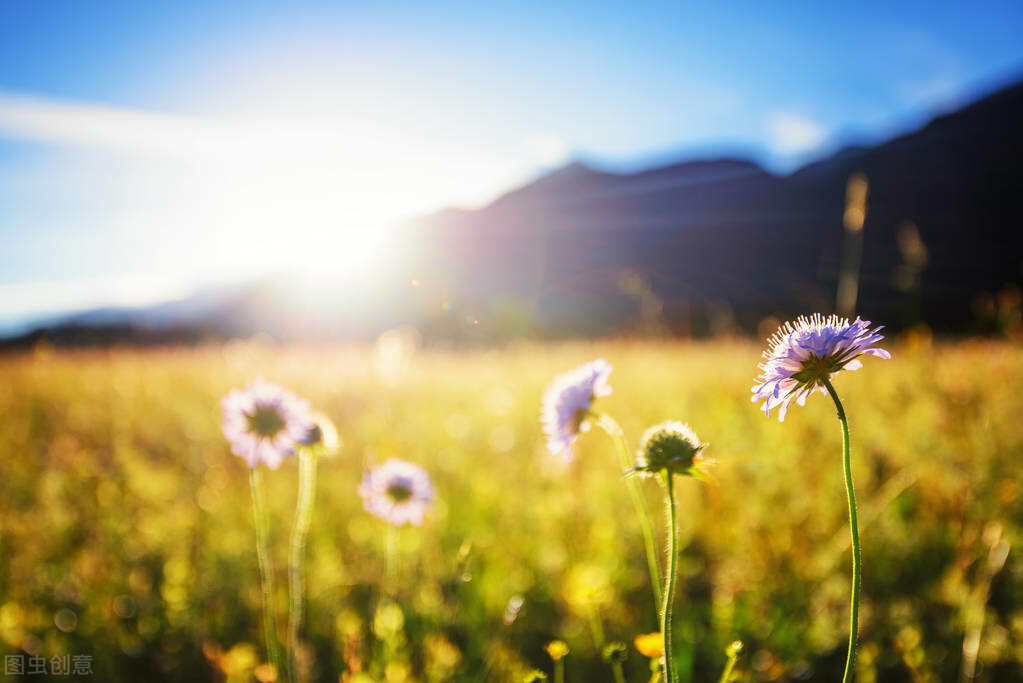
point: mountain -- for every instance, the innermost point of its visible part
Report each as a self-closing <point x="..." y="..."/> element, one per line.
<point x="700" y="246"/>
<point x="725" y="242"/>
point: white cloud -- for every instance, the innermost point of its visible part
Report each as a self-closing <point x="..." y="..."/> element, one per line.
<point x="794" y="134"/>
<point x="385" y="173"/>
<point x="44" y="120"/>
<point x="942" y="89"/>
<point x="929" y="72"/>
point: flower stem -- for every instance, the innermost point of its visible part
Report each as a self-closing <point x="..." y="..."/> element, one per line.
<point x="392" y="559"/>
<point x="296" y="555"/>
<point x="669" y="582"/>
<point x="612" y="429"/>
<point x="854" y="607"/>
<point x="273" y="646"/>
<point x="559" y="671"/>
<point x="596" y="628"/>
<point x="727" y="674"/>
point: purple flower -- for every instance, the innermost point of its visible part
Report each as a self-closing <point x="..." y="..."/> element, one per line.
<point x="804" y="353"/>
<point x="397" y="491"/>
<point x="568" y="400"/>
<point x="264" y="422"/>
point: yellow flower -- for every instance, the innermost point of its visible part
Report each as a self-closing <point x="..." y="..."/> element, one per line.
<point x="650" y="644"/>
<point x="587" y="586"/>
<point x="557" y="649"/>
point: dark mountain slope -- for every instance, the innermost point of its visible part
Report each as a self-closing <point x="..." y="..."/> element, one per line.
<point x="725" y="235"/>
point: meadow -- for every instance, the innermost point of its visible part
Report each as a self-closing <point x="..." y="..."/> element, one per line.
<point x="126" y="528"/>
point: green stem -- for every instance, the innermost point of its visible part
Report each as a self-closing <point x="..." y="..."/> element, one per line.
<point x="559" y="671"/>
<point x="669" y="584"/>
<point x="273" y="647"/>
<point x="296" y="555"/>
<point x="392" y="558"/>
<point x="612" y="429"/>
<point x="596" y="628"/>
<point x="854" y="608"/>
<point x="619" y="673"/>
<point x="728" y="668"/>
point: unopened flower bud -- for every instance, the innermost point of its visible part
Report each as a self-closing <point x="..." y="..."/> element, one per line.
<point x="615" y="653"/>
<point x="671" y="447"/>
<point x="322" y="436"/>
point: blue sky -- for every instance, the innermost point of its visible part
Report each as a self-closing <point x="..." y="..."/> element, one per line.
<point x="147" y="148"/>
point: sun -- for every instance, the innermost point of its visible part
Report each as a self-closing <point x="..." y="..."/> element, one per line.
<point x="297" y="196"/>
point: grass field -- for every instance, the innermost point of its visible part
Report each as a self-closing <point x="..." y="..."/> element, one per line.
<point x="126" y="524"/>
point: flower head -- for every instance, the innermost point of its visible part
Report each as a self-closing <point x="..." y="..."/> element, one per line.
<point x="650" y="644"/>
<point x="397" y="491"/>
<point x="322" y="436"/>
<point x="670" y="446"/>
<point x="567" y="402"/>
<point x="557" y="649"/>
<point x="264" y="423"/>
<point x="805" y="353"/>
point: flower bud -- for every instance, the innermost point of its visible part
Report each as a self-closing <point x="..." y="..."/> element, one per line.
<point x="322" y="436"/>
<point x="670" y="446"/>
<point x="615" y="653"/>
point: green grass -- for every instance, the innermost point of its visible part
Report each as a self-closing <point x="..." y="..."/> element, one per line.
<point x="120" y="501"/>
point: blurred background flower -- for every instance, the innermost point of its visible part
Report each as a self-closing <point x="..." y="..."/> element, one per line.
<point x="563" y="411"/>
<point x="397" y="491"/>
<point x="264" y="423"/>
